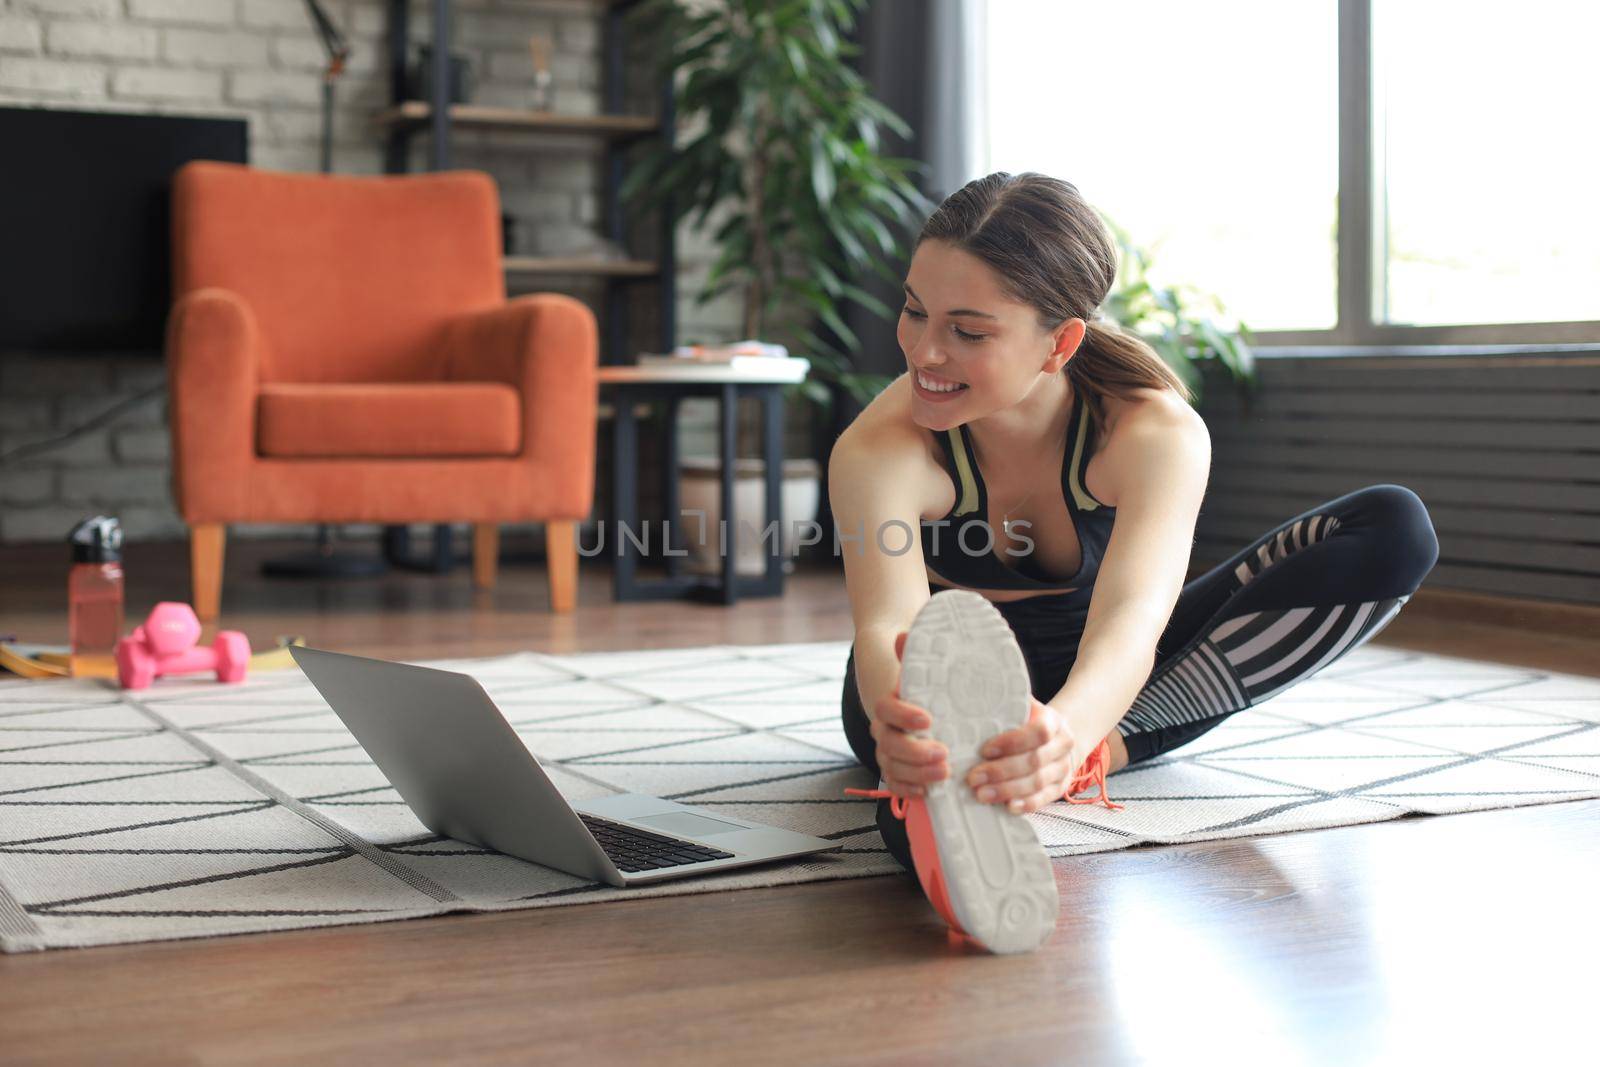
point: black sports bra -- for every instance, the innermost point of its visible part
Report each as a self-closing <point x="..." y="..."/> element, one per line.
<point x="963" y="550"/>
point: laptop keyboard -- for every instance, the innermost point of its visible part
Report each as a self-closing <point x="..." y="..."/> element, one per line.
<point x="634" y="850"/>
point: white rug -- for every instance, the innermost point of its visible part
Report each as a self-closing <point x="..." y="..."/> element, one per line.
<point x="200" y="809"/>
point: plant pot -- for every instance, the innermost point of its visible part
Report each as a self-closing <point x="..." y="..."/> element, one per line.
<point x="700" y="489"/>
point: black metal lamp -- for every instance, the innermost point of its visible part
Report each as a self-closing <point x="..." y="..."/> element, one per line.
<point x="338" y="49"/>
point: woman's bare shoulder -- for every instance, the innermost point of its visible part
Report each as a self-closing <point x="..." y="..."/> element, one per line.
<point x="884" y="424"/>
<point x="885" y="450"/>
<point x="1149" y="430"/>
<point x="1152" y="412"/>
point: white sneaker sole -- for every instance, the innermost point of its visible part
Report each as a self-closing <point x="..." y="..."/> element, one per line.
<point x="962" y="664"/>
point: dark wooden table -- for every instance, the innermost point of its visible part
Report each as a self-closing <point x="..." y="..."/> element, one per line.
<point x="667" y="387"/>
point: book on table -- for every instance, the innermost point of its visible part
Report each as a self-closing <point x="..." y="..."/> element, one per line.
<point x="736" y="353"/>
<point x="731" y="350"/>
<point x="749" y="356"/>
<point x="739" y="364"/>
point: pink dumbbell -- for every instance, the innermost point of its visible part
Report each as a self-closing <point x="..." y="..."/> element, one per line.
<point x="167" y="643"/>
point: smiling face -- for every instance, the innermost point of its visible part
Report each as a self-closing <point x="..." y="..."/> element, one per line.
<point x="971" y="350"/>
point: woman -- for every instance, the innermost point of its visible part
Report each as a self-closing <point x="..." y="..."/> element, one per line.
<point x="1054" y="467"/>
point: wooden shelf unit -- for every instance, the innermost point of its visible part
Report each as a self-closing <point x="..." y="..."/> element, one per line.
<point x="617" y="268"/>
<point x="405" y="118"/>
<point x="417" y="113"/>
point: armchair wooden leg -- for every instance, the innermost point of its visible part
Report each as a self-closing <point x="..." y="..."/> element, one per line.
<point x="561" y="552"/>
<point x="485" y="553"/>
<point x="206" y="541"/>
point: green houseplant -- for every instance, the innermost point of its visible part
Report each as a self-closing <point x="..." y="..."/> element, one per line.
<point x="1175" y="320"/>
<point x="788" y="154"/>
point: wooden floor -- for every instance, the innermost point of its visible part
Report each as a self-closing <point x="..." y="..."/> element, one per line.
<point x="1455" y="939"/>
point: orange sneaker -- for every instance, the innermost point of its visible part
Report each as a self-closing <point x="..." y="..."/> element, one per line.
<point x="981" y="867"/>
<point x="1093" y="772"/>
<point x="924" y="850"/>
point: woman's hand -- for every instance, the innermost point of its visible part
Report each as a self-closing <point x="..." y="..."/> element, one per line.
<point x="907" y="764"/>
<point x="1029" y="767"/>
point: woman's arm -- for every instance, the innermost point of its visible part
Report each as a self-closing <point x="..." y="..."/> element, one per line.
<point x="876" y="482"/>
<point x="875" y="488"/>
<point x="1158" y="461"/>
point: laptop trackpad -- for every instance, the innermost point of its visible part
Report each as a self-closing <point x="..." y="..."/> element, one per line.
<point x="688" y="824"/>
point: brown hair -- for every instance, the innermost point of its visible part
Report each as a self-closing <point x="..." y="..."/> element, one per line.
<point x="1053" y="252"/>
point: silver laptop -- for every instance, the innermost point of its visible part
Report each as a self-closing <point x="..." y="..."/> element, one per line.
<point x="460" y="766"/>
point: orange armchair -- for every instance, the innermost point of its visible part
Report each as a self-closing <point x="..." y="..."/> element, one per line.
<point x="341" y="350"/>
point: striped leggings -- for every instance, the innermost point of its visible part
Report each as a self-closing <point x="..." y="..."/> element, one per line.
<point x="1286" y="606"/>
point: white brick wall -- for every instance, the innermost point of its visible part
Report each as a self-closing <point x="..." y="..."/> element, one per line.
<point x="261" y="60"/>
<point x="85" y="8"/>
<point x="211" y="48"/>
<point x="165" y="56"/>
<point x="20" y="36"/>
<point x="273" y="87"/>
<point x="273" y="14"/>
<point x="156" y="84"/>
<point x="49" y="79"/>
<point x="183" y="12"/>
<point x="100" y="40"/>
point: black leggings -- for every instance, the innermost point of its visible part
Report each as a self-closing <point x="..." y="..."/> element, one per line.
<point x="1291" y="603"/>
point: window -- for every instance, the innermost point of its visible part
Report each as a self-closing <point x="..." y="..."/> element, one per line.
<point x="1217" y="155"/>
<point x="1212" y="133"/>
<point x="1484" y="122"/>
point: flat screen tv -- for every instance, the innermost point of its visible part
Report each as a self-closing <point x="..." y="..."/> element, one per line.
<point x="85" y="217"/>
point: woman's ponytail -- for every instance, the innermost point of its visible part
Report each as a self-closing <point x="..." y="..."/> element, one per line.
<point x="1112" y="361"/>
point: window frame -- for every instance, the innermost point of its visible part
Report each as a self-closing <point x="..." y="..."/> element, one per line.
<point x="1359" y="266"/>
<point x="1356" y="331"/>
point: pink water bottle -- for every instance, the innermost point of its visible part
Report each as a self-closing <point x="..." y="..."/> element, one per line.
<point x="94" y="596"/>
